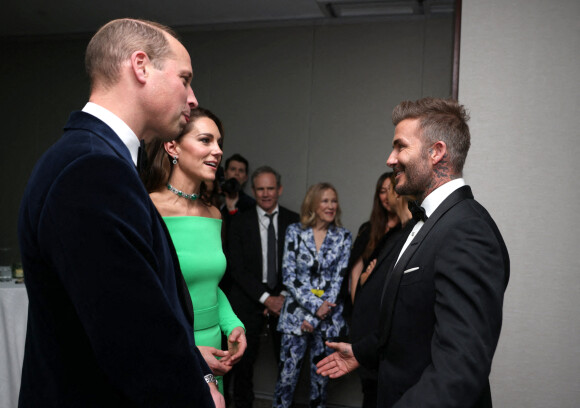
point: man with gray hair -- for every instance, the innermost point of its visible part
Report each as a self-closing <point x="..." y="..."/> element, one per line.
<point x="110" y="319"/>
<point x="255" y="249"/>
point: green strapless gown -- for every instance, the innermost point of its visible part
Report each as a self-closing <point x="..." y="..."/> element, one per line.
<point x="197" y="241"/>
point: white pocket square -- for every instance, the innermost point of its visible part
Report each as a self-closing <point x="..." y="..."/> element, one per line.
<point x="410" y="270"/>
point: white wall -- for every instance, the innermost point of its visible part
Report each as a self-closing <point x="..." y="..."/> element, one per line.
<point x="520" y="76"/>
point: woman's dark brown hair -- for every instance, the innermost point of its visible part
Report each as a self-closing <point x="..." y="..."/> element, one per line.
<point x="379" y="216"/>
<point x="160" y="165"/>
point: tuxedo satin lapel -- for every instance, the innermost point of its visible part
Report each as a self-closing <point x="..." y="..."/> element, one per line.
<point x="393" y="281"/>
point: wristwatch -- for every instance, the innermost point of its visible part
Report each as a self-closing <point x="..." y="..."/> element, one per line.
<point x="210" y="378"/>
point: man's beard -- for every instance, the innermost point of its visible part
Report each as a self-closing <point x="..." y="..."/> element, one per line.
<point x="417" y="178"/>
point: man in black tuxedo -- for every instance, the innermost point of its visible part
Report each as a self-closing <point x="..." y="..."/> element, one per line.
<point x="441" y="309"/>
<point x="110" y="321"/>
<point x="255" y="262"/>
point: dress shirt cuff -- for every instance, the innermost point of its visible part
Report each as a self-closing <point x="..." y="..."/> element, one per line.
<point x="264" y="296"/>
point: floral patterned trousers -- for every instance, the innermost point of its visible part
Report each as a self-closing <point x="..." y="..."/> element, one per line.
<point x="292" y="352"/>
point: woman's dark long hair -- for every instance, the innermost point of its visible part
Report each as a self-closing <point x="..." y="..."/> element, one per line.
<point x="379" y="216"/>
<point x="160" y="165"/>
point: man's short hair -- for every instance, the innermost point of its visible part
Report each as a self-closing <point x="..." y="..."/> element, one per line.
<point x="239" y="158"/>
<point x="439" y="119"/>
<point x="114" y="43"/>
<point x="267" y="169"/>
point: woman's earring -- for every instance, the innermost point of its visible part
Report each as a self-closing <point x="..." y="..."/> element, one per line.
<point x="174" y="160"/>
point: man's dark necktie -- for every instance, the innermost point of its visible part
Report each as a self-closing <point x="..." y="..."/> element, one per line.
<point x="417" y="211"/>
<point x="272" y="261"/>
<point x="141" y="158"/>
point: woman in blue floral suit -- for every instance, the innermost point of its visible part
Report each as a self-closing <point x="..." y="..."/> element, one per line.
<point x="315" y="262"/>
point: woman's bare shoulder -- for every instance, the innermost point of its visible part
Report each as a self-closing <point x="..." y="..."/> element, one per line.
<point x="214" y="212"/>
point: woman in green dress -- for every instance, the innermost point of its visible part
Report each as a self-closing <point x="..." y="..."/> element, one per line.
<point x="175" y="180"/>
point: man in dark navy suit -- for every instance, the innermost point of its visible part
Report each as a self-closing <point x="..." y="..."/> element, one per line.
<point x="257" y="297"/>
<point x="110" y="321"/>
<point x="441" y="309"/>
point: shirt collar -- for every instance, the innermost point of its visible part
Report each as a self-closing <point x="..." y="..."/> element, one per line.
<point x="262" y="213"/>
<point x="433" y="200"/>
<point x="127" y="136"/>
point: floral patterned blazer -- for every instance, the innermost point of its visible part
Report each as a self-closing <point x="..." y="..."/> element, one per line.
<point x="305" y="272"/>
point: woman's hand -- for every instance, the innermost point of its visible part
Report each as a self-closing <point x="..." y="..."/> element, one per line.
<point x="306" y="327"/>
<point x="325" y="309"/>
<point x="365" y="275"/>
<point x="218" y="367"/>
<point x="237" y="344"/>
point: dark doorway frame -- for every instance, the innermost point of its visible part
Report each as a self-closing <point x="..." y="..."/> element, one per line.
<point x="456" y="48"/>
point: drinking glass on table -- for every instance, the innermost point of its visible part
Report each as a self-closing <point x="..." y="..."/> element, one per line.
<point x="17" y="271"/>
<point x="5" y="265"/>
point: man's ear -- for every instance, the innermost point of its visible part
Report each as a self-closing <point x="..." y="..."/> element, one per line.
<point x="140" y="64"/>
<point x="437" y="152"/>
<point x="280" y="189"/>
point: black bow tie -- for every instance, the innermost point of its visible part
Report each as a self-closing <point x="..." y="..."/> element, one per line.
<point x="417" y="211"/>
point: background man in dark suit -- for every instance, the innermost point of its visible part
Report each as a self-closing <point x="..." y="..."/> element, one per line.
<point x="256" y="269"/>
<point x="235" y="202"/>
<point x="441" y="309"/>
<point x="110" y="320"/>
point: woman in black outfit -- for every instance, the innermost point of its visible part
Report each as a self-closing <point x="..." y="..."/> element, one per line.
<point x="381" y="233"/>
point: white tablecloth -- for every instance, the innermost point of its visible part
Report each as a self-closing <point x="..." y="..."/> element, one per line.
<point x="13" y="317"/>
